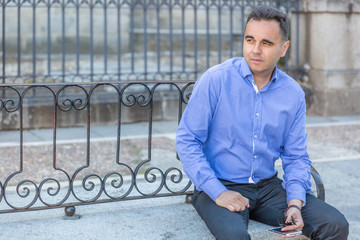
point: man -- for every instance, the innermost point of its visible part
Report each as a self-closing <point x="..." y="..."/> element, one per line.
<point x="243" y="115"/>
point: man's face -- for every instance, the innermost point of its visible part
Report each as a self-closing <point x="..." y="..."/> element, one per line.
<point x="263" y="46"/>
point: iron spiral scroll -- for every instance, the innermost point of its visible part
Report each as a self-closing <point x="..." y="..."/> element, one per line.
<point x="22" y="190"/>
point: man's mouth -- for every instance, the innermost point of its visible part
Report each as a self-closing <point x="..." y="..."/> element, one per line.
<point x="255" y="60"/>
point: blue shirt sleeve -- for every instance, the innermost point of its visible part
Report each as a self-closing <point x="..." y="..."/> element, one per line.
<point x="295" y="159"/>
<point x="192" y="133"/>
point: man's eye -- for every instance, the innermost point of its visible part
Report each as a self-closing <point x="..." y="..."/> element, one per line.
<point x="267" y="44"/>
<point x="249" y="40"/>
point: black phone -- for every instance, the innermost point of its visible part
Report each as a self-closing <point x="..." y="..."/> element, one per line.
<point x="287" y="233"/>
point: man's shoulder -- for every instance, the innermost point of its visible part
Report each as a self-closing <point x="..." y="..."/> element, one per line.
<point x="290" y="83"/>
<point x="231" y="64"/>
<point x="219" y="75"/>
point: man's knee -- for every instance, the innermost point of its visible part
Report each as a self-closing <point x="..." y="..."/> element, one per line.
<point x="341" y="228"/>
<point x="335" y="229"/>
<point x="232" y="233"/>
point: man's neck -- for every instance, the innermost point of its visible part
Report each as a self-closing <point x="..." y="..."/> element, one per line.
<point x="261" y="81"/>
<point x="262" y="78"/>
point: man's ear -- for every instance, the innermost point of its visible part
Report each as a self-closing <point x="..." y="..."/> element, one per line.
<point x="285" y="47"/>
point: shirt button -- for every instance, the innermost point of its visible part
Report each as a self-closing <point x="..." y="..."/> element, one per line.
<point x="255" y="156"/>
<point x="255" y="136"/>
<point x="257" y="114"/>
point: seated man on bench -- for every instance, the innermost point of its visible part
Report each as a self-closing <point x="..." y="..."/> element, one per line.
<point x="242" y="116"/>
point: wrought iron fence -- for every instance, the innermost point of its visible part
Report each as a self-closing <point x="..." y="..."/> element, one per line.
<point x="45" y="41"/>
<point x="67" y="173"/>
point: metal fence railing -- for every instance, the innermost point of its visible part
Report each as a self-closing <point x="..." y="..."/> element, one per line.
<point x="62" y="172"/>
<point x="132" y="162"/>
<point x="47" y="41"/>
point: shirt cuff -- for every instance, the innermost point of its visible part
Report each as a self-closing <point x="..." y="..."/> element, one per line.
<point x="295" y="191"/>
<point x="213" y="188"/>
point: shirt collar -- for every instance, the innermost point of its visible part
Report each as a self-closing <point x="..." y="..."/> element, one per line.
<point x="247" y="74"/>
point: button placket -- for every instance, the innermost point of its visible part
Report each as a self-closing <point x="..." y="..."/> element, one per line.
<point x="256" y="131"/>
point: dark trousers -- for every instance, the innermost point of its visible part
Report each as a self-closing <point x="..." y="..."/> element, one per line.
<point x="267" y="205"/>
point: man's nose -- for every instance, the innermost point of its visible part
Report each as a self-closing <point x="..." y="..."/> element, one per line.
<point x="257" y="48"/>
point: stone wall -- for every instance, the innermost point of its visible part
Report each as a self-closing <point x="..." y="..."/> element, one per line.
<point x="329" y="48"/>
<point x="37" y="114"/>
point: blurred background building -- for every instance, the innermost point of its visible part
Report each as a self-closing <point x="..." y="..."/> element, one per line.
<point x="74" y="41"/>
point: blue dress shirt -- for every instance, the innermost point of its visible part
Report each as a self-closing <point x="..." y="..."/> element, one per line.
<point x="231" y="131"/>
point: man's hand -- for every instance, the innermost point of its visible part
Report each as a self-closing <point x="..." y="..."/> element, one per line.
<point x="233" y="201"/>
<point x="296" y="215"/>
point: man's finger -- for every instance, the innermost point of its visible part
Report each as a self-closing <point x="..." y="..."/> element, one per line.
<point x="290" y="228"/>
<point x="236" y="207"/>
<point x="230" y="208"/>
<point x="244" y="201"/>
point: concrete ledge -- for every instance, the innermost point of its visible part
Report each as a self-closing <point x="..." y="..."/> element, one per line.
<point x="152" y="219"/>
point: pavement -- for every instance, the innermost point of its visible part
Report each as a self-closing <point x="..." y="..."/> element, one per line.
<point x="170" y="217"/>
